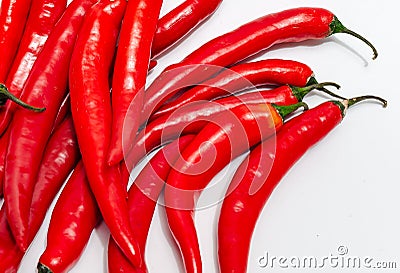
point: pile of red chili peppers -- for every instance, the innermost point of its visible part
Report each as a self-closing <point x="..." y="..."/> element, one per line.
<point x="75" y="113"/>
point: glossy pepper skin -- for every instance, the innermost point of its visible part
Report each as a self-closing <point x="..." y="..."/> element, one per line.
<point x="293" y="25"/>
<point x="13" y="16"/>
<point x="192" y="118"/>
<point x="73" y="219"/>
<point x="262" y="170"/>
<point x="220" y="141"/>
<point x="30" y="131"/>
<point x="175" y="25"/>
<point x="242" y="77"/>
<point x="43" y="15"/>
<point x="60" y="157"/>
<point x="255" y="180"/>
<point x="142" y="200"/>
<point x="91" y="110"/>
<point x="130" y="71"/>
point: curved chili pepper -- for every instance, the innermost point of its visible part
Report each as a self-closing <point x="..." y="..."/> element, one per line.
<point x="191" y="119"/>
<point x="47" y="86"/>
<point x="142" y="200"/>
<point x="13" y="16"/>
<point x="131" y="69"/>
<point x="43" y="15"/>
<point x="242" y="77"/>
<point x="62" y="154"/>
<point x="91" y="111"/>
<point x="220" y="141"/>
<point x="73" y="219"/>
<point x="180" y="21"/>
<point x="293" y="25"/>
<point x="255" y="179"/>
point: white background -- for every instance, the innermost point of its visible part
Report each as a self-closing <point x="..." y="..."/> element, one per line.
<point x="344" y="191"/>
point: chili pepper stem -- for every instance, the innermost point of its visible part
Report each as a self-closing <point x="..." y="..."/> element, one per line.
<point x="285" y="110"/>
<point x="43" y="269"/>
<point x="355" y="100"/>
<point x="301" y="92"/>
<point x="6" y="95"/>
<point x="337" y="27"/>
<point x="313" y="81"/>
<point x="345" y="104"/>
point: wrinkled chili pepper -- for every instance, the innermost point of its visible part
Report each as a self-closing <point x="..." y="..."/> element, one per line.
<point x="60" y="157"/>
<point x="46" y="86"/>
<point x="180" y="21"/>
<point x="131" y="69"/>
<point x="293" y="25"/>
<point x="13" y="16"/>
<point x="43" y="15"/>
<point x="91" y="110"/>
<point x="241" y="77"/>
<point x="224" y="138"/>
<point x="255" y="179"/>
<point x="142" y="200"/>
<point x="191" y="119"/>
<point x="73" y="219"/>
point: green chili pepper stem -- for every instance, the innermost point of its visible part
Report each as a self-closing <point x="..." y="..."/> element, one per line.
<point x="6" y="95"/>
<point x="343" y="105"/>
<point x="337" y="27"/>
<point x="285" y="110"/>
<point x="355" y="100"/>
<point x="43" y="269"/>
<point x="313" y="81"/>
<point x="301" y="92"/>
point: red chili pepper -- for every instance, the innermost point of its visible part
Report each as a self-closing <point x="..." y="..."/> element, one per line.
<point x="73" y="219"/>
<point x="91" y="111"/>
<point x="142" y="200"/>
<point x="242" y="77"/>
<point x="46" y="86"/>
<point x="180" y="21"/>
<point x="224" y="138"/>
<point x="293" y="25"/>
<point x="43" y="15"/>
<point x="131" y="69"/>
<point x="192" y="118"/>
<point x="62" y="113"/>
<point x="13" y="17"/>
<point x="61" y="156"/>
<point x="258" y="175"/>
